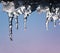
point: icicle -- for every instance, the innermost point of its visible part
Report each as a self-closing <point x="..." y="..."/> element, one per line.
<point x="48" y="17"/>
<point x="25" y="20"/>
<point x="55" y="18"/>
<point x="26" y="14"/>
<point x="10" y="25"/>
<point x="47" y="22"/>
<point x="16" y="14"/>
<point x="16" y="19"/>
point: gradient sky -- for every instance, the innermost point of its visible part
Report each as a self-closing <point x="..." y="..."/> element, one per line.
<point x="36" y="39"/>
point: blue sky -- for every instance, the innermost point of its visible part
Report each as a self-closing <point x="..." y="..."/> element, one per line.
<point x="36" y="39"/>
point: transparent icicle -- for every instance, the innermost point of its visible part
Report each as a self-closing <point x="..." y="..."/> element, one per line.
<point x="25" y="21"/>
<point x="26" y="14"/>
<point x="10" y="28"/>
<point x="10" y="25"/>
<point x="48" y="17"/>
<point x="16" y="19"/>
<point x="47" y="22"/>
<point x="55" y="18"/>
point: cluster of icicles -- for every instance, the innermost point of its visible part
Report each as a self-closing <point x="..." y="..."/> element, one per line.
<point x="14" y="13"/>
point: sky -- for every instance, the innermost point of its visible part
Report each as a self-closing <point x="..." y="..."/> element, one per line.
<point x="36" y="39"/>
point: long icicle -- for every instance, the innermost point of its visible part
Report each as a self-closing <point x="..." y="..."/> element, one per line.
<point x="16" y="19"/>
<point x="10" y="28"/>
<point x="10" y="25"/>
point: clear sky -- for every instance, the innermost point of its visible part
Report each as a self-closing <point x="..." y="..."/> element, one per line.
<point x="36" y="39"/>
